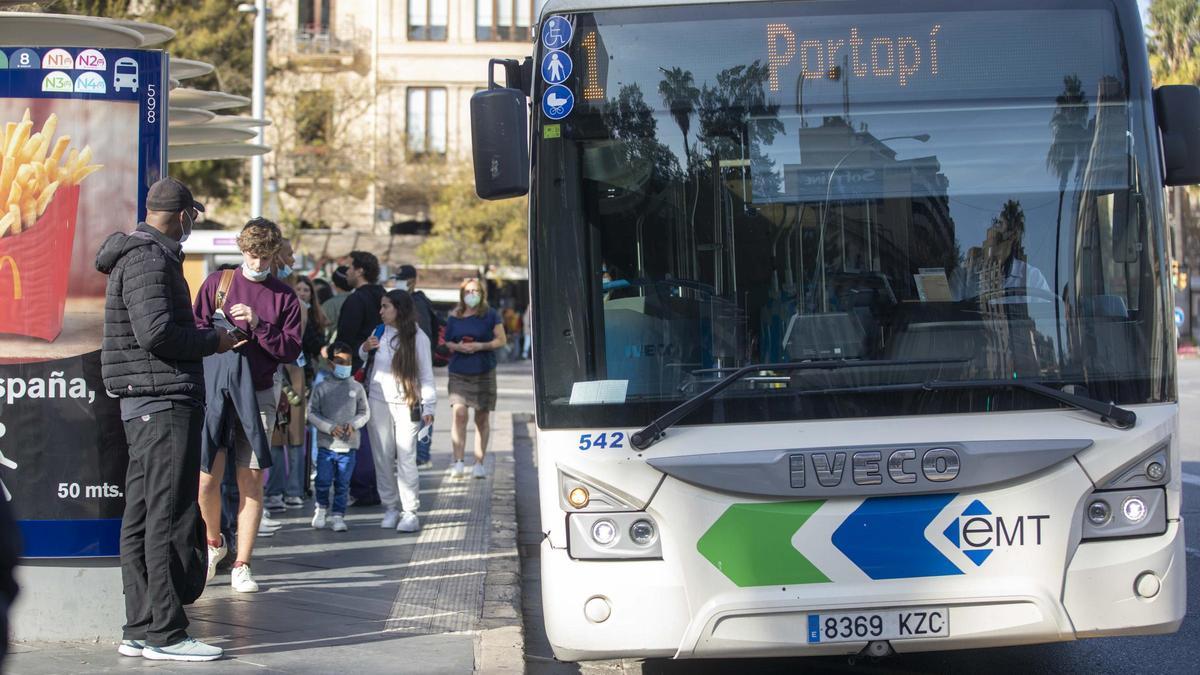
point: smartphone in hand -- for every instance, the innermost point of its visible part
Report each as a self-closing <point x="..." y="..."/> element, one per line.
<point x="219" y="320"/>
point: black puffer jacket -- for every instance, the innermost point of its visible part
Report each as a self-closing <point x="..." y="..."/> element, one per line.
<point x="151" y="344"/>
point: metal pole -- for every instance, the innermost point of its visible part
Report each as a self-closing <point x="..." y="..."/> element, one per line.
<point x="258" y="101"/>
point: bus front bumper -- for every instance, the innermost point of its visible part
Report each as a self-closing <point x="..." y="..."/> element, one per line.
<point x="647" y="612"/>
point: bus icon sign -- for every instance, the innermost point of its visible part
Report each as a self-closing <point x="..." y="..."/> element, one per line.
<point x="126" y="75"/>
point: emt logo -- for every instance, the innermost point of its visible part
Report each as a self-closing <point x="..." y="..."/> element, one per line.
<point x="978" y="532"/>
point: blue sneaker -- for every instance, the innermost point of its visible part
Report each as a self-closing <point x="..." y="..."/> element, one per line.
<point x="189" y="649"/>
<point x="131" y="647"/>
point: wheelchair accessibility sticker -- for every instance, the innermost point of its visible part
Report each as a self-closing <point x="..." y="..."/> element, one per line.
<point x="556" y="32"/>
<point x="557" y="102"/>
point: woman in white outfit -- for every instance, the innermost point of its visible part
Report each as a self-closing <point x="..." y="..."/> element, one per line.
<point x="402" y="398"/>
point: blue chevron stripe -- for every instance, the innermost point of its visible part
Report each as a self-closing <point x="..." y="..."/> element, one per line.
<point x="885" y="537"/>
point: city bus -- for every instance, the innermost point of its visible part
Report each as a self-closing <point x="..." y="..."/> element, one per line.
<point x="852" y="322"/>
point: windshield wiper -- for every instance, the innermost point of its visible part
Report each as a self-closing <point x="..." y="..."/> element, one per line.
<point x="657" y="429"/>
<point x="1109" y="413"/>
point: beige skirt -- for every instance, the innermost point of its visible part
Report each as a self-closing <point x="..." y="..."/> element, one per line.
<point x="474" y="391"/>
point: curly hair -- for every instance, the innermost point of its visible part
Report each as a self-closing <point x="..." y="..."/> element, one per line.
<point x="260" y="237"/>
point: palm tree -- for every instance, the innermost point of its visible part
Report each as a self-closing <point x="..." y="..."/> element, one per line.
<point x="679" y="93"/>
<point x="1067" y="154"/>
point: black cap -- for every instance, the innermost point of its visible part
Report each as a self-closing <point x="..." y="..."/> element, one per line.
<point x="171" y="196"/>
<point x="406" y="272"/>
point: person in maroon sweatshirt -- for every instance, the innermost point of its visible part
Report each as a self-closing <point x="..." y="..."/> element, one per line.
<point x="269" y="312"/>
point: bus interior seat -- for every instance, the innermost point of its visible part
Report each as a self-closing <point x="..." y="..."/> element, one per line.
<point x="869" y="297"/>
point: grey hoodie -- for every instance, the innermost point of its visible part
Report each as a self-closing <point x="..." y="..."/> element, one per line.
<point x="334" y="402"/>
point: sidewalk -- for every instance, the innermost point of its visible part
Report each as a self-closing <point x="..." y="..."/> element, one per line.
<point x="445" y="600"/>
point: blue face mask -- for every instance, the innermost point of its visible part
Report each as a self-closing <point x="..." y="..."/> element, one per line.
<point x="285" y="271"/>
<point x="341" y="372"/>
<point x="255" y="276"/>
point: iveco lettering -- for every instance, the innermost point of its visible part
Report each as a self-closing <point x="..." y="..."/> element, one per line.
<point x="854" y="322"/>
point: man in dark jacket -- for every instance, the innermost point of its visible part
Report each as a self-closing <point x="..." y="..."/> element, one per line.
<point x="430" y="323"/>
<point x="151" y="360"/>
<point x="10" y="548"/>
<point x="360" y="313"/>
<point x="358" y="318"/>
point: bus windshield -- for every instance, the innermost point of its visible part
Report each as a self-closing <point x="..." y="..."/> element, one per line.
<point x="955" y="194"/>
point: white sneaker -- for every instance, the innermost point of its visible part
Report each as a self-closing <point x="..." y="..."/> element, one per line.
<point x="318" y="521"/>
<point x="389" y="519"/>
<point x="479" y="471"/>
<point x="188" y="649"/>
<point x="293" y="503"/>
<point x="242" y="580"/>
<point x="267" y="522"/>
<point x="339" y="523"/>
<point x="274" y="503"/>
<point x="131" y="647"/>
<point x="457" y="469"/>
<point x="215" y="555"/>
<point x="408" y="523"/>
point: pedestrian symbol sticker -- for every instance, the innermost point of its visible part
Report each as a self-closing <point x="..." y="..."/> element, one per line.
<point x="556" y="33"/>
<point x="557" y="102"/>
<point x="556" y="67"/>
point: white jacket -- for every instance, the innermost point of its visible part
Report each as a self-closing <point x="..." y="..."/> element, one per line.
<point x="382" y="384"/>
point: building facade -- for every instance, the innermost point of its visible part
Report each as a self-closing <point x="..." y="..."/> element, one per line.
<point x="371" y="107"/>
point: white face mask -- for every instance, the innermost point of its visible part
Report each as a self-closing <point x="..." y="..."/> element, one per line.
<point x="404" y="285"/>
<point x="472" y="300"/>
<point x="188" y="226"/>
<point x="255" y="276"/>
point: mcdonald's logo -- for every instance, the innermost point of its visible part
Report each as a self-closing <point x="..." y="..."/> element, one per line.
<point x="16" y="275"/>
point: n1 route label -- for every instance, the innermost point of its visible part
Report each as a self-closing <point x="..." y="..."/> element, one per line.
<point x="102" y="491"/>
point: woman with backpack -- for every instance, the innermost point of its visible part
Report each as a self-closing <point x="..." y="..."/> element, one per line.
<point x="401" y="397"/>
<point x="473" y="334"/>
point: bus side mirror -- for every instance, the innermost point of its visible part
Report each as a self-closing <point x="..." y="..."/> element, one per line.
<point x="500" y="141"/>
<point x="1177" y="111"/>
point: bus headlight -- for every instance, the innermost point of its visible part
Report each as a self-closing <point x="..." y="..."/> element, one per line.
<point x="1099" y="512"/>
<point x="1134" y="509"/>
<point x="604" y="532"/>
<point x="642" y="533"/>
<point x="631" y="535"/>
<point x="1113" y="514"/>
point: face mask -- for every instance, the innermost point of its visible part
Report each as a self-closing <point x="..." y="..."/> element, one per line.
<point x="307" y="305"/>
<point x="188" y="224"/>
<point x="341" y="372"/>
<point x="405" y="285"/>
<point x="472" y="300"/>
<point x="285" y="271"/>
<point x="255" y="276"/>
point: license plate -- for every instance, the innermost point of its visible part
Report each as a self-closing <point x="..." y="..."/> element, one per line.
<point x="887" y="624"/>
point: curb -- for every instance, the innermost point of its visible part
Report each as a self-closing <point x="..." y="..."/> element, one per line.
<point x="500" y="644"/>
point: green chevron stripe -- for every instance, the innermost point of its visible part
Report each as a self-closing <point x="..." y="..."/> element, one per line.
<point x="752" y="544"/>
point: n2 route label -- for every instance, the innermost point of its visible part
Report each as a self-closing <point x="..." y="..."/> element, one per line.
<point x="614" y="440"/>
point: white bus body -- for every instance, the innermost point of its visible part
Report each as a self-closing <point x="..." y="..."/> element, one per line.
<point x="922" y="249"/>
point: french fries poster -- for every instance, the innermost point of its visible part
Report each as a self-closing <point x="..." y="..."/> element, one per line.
<point x="82" y="137"/>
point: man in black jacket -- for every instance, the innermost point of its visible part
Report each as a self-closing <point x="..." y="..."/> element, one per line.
<point x="360" y="313"/>
<point x="151" y="360"/>
<point x="431" y="324"/>
<point x="358" y="318"/>
<point x="10" y="548"/>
